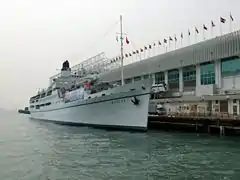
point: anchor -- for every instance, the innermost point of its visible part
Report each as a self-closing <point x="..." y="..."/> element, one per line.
<point x="135" y="101"/>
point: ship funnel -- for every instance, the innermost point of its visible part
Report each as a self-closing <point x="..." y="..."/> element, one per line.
<point x="66" y="70"/>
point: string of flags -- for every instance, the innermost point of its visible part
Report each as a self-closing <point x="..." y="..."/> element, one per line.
<point x="159" y="43"/>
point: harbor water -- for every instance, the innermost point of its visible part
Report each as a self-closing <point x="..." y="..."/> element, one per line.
<point x="35" y="150"/>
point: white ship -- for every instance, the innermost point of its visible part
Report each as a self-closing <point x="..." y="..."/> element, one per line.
<point x="77" y="96"/>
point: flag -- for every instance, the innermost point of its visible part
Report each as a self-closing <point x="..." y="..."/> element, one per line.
<point x="189" y="33"/>
<point x="165" y="41"/>
<point x="145" y="47"/>
<point x="231" y="17"/>
<point x="154" y="44"/>
<point x="222" y="20"/>
<point x="204" y="27"/>
<point x="141" y="50"/>
<point x="126" y="55"/>
<point x="149" y="46"/>
<point x="127" y="41"/>
<point x="130" y="54"/>
<point x="213" y="25"/>
<point x="137" y="51"/>
<point x="196" y="30"/>
<point x="175" y="38"/>
<point x="170" y="39"/>
<point x="159" y="43"/>
<point x="182" y="35"/>
<point x="134" y="52"/>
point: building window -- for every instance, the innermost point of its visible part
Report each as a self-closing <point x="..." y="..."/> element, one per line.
<point x="189" y="74"/>
<point x="146" y="76"/>
<point x="230" y="66"/>
<point x="159" y="78"/>
<point x="173" y="76"/>
<point x="137" y="78"/>
<point x="207" y="74"/>
<point x="189" y="77"/>
<point x="128" y="81"/>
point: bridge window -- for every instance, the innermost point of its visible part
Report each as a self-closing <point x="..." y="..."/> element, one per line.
<point x="146" y="76"/>
<point x="128" y="81"/>
<point x="137" y="78"/>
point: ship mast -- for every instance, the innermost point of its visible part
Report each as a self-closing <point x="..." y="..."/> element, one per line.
<point x="121" y="39"/>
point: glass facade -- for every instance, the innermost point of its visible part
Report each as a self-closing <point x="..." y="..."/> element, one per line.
<point x="173" y="79"/>
<point x="159" y="78"/>
<point x="189" y="76"/>
<point x="207" y="74"/>
<point x="173" y="76"/>
<point x="230" y="67"/>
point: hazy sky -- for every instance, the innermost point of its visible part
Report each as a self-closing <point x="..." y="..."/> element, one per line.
<point x="36" y="36"/>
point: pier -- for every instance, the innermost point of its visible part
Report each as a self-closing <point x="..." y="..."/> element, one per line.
<point x="223" y="125"/>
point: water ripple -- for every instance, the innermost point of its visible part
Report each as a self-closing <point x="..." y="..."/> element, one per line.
<point x="32" y="150"/>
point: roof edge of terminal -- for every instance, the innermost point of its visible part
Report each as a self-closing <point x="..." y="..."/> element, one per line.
<point x="189" y="52"/>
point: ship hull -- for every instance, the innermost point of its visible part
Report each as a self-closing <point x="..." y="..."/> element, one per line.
<point x="117" y="111"/>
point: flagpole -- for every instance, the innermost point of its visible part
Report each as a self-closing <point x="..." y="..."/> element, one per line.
<point x="203" y="34"/>
<point x="154" y="49"/>
<point x="211" y="31"/>
<point x="220" y="28"/>
<point x="121" y="33"/>
<point x="144" y="53"/>
<point x="149" y="51"/>
<point x="159" y="48"/>
<point x="230" y="25"/>
<point x="189" y="34"/>
<point x="230" y="22"/>
<point x="195" y="36"/>
<point x="175" y="42"/>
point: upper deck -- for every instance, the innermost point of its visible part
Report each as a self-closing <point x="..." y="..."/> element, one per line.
<point x="96" y="64"/>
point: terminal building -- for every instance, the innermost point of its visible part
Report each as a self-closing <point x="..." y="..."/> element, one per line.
<point x="204" y="77"/>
